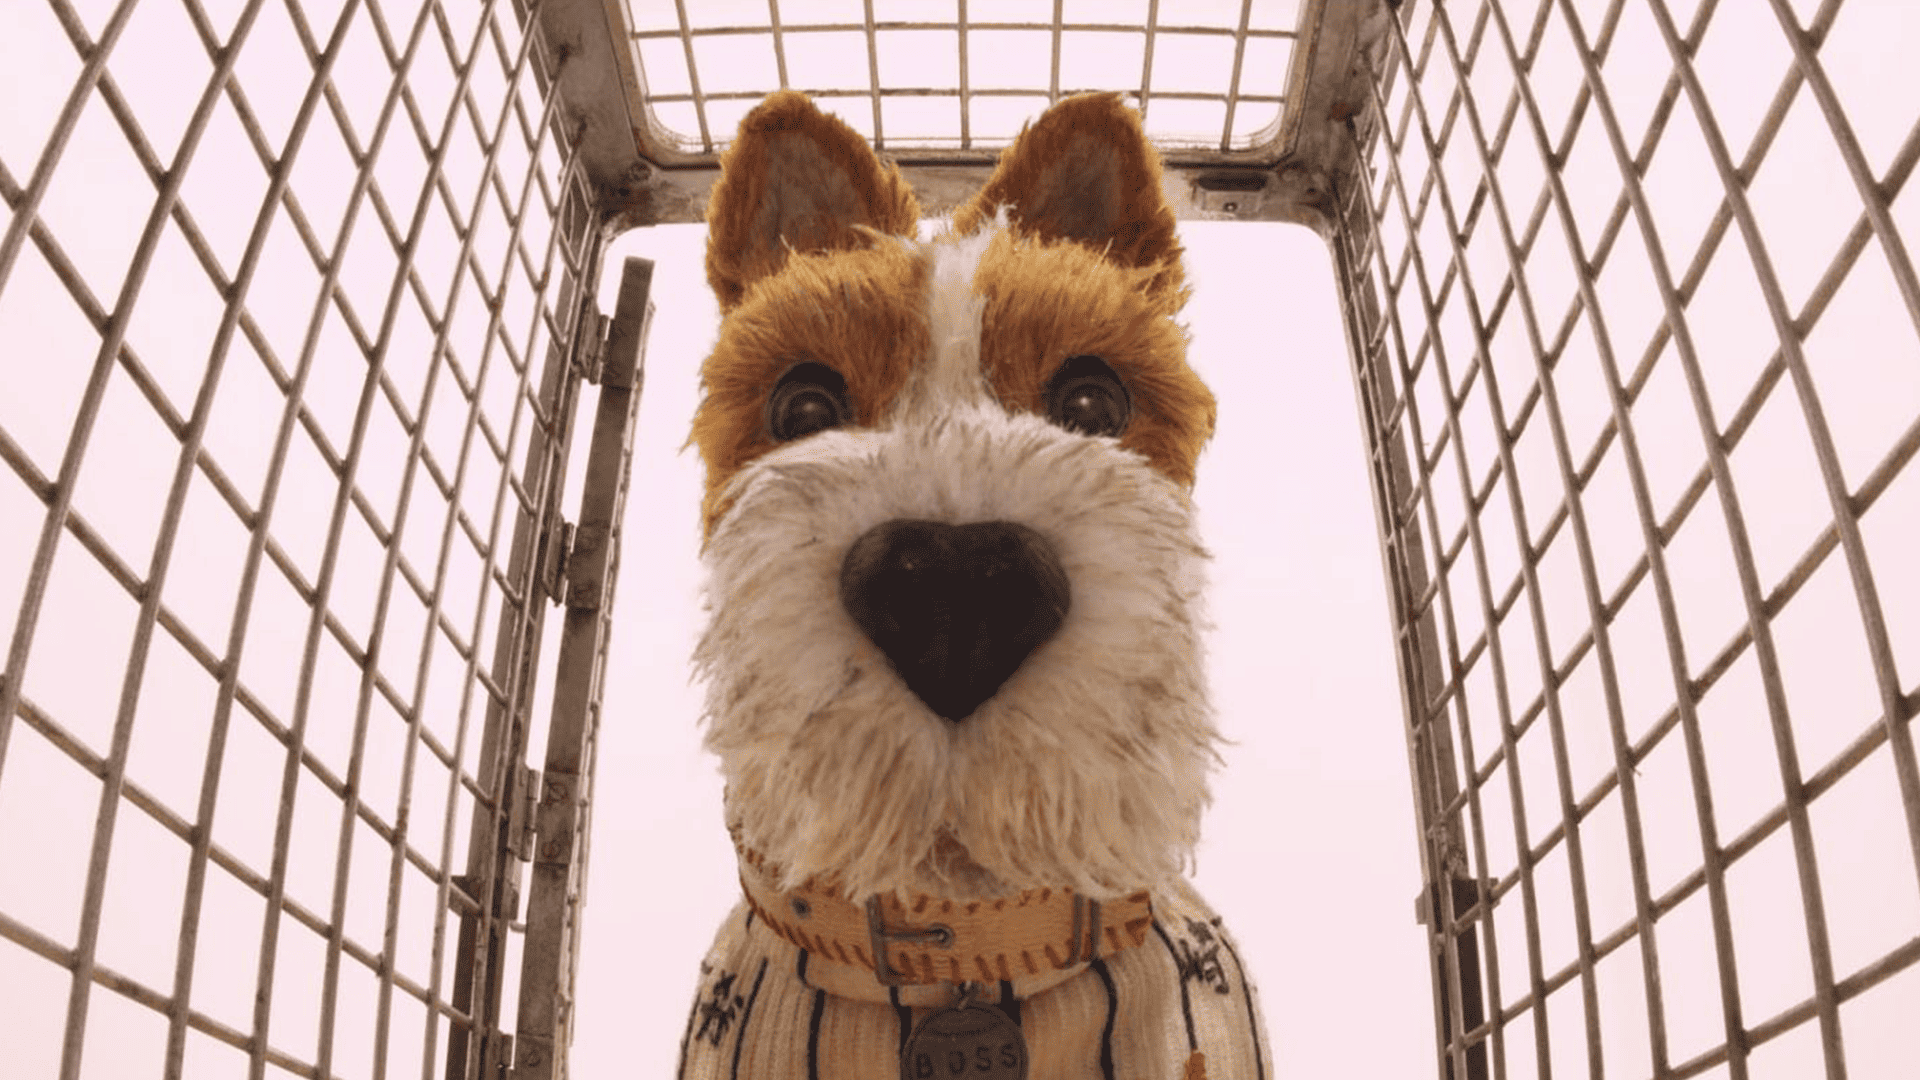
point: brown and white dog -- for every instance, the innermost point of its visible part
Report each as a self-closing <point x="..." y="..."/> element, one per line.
<point x="953" y="663"/>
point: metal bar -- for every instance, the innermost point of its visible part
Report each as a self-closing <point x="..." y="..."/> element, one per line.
<point x="1146" y="58"/>
<point x="1429" y="746"/>
<point x="1483" y="370"/>
<point x="1846" y="519"/>
<point x="1458" y="957"/>
<point x="1430" y="307"/>
<point x="113" y="789"/>
<point x="693" y="77"/>
<point x="1233" y="80"/>
<point x="291" y="771"/>
<point x="1571" y="506"/>
<point x="1765" y="651"/>
<point x="518" y="216"/>
<point x="1070" y="26"/>
<point x="415" y="454"/>
<point x="547" y="967"/>
<point x="370" y="389"/>
<point x="943" y="91"/>
<point x="1053" y="66"/>
<point x="1657" y="533"/>
<point x="1714" y="866"/>
<point x="479" y="952"/>
<point x="966" y="103"/>
<point x="26" y="207"/>
<point x="780" y="41"/>
<point x="25" y="210"/>
<point x="313" y="769"/>
<point x="873" y="76"/>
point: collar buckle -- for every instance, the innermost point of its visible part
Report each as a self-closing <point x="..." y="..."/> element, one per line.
<point x="938" y="935"/>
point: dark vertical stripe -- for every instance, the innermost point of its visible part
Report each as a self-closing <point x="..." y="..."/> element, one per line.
<point x="813" y="1034"/>
<point x="1253" y="1021"/>
<point x="905" y="1013"/>
<point x="1106" y="1033"/>
<point x="1008" y="1003"/>
<point x="813" y="1024"/>
<point x="1179" y="976"/>
<point x="686" y="1037"/>
<point x="746" y="1018"/>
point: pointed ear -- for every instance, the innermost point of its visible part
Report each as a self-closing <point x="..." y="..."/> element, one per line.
<point x="1085" y="172"/>
<point x="796" y="179"/>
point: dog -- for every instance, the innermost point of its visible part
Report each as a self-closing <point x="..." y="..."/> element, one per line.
<point x="952" y="659"/>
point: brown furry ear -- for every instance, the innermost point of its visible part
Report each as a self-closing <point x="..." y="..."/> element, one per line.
<point x="1085" y="172"/>
<point x="796" y="179"/>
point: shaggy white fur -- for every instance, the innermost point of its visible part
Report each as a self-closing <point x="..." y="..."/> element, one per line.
<point x="1087" y="769"/>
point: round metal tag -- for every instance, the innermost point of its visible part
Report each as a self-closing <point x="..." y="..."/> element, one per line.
<point x="978" y="1042"/>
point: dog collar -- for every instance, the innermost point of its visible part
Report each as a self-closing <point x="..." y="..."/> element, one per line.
<point x="1032" y="939"/>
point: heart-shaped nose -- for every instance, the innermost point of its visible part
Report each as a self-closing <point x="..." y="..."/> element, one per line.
<point x="956" y="608"/>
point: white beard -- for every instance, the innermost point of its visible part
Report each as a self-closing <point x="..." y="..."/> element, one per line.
<point x="1087" y="770"/>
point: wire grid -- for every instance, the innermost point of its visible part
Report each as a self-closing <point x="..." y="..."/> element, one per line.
<point x="272" y="548"/>
<point x="1638" y="346"/>
<point x="964" y="75"/>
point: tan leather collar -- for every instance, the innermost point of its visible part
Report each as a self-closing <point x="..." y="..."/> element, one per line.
<point x="1033" y="939"/>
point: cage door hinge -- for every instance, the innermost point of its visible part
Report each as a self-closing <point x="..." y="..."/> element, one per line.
<point x="575" y="564"/>
<point x="496" y="1053"/>
<point x="473" y="888"/>
<point x="591" y="357"/>
<point x="556" y="553"/>
<point x="1465" y="894"/>
<point x="521" y="817"/>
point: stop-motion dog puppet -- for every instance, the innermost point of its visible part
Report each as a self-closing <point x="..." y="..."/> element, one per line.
<point x="953" y="665"/>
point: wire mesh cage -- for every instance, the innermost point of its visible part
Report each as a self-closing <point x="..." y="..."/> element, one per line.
<point x="1635" y="328"/>
<point x="297" y="309"/>
<point x="297" y="722"/>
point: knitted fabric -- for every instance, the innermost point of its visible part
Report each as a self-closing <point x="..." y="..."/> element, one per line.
<point x="1179" y="1007"/>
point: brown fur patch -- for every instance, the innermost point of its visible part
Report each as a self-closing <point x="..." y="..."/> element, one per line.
<point x="796" y="179"/>
<point x="1085" y="172"/>
<point x="861" y="313"/>
<point x="1050" y="301"/>
<point x="796" y="256"/>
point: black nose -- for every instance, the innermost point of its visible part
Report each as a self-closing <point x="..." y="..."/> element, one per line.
<point x="957" y="608"/>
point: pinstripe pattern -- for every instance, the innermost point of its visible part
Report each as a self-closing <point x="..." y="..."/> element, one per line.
<point x="1138" y="1015"/>
<point x="681" y="1072"/>
<point x="1186" y="1003"/>
<point x="1253" y="1017"/>
<point x="1106" y="1030"/>
<point x="747" y="1018"/>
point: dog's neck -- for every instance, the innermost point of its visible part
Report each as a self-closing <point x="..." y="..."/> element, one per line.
<point x="926" y="945"/>
<point x="950" y="864"/>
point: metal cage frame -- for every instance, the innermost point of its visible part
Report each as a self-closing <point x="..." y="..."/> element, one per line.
<point x="1554" y="677"/>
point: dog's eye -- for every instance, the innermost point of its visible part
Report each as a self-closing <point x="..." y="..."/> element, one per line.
<point x="808" y="398"/>
<point x="1086" y="396"/>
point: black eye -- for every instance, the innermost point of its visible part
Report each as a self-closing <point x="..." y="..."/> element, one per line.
<point x="808" y="398"/>
<point x="1086" y="396"/>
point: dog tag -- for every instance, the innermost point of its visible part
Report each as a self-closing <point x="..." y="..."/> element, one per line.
<point x="965" y="1040"/>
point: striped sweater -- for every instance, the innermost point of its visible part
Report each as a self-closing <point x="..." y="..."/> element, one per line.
<point x="1178" y="1007"/>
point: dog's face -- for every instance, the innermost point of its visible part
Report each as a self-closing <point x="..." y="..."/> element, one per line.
<point x="952" y="570"/>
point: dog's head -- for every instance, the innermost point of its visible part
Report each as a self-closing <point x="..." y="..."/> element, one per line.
<point x="953" y="577"/>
